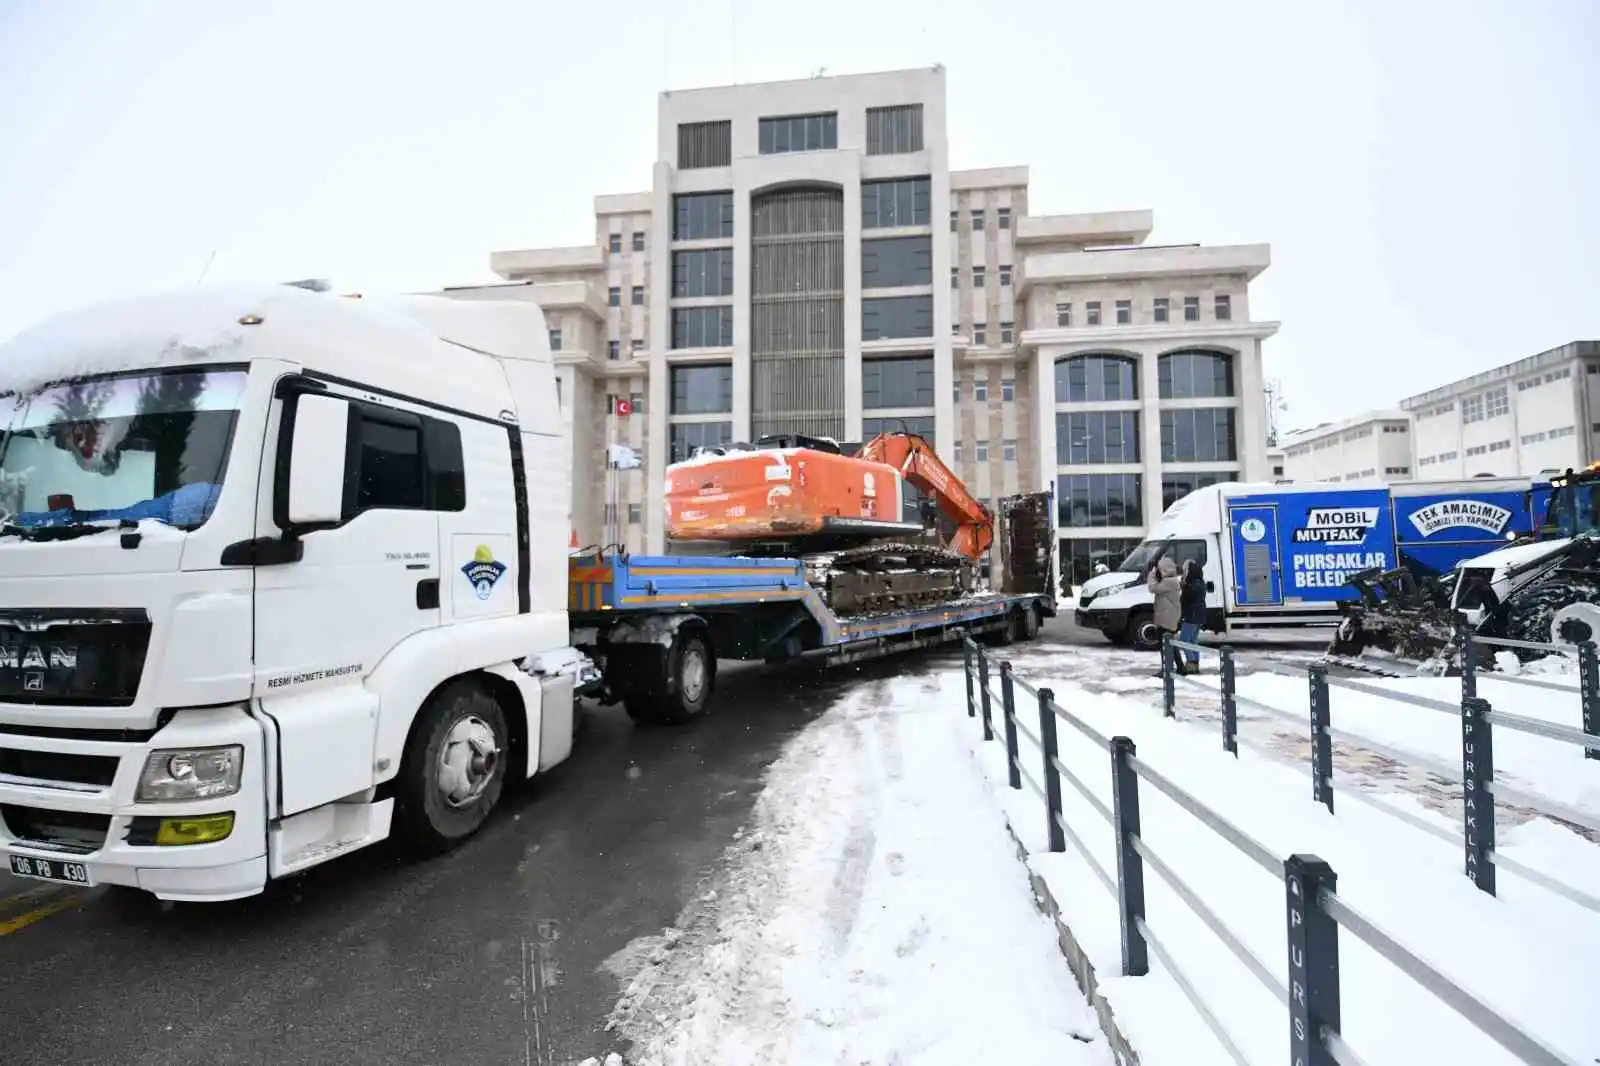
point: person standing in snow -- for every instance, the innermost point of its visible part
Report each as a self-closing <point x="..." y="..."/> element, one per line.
<point x="1192" y="615"/>
<point x="1166" y="587"/>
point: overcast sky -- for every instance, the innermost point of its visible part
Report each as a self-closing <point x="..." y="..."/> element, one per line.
<point x="1425" y="170"/>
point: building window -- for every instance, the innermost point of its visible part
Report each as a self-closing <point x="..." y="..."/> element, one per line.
<point x="702" y="216"/>
<point x="980" y="451"/>
<point x="1198" y="435"/>
<point x="1003" y="217"/>
<point x="1096" y="379"/>
<point x="897" y="382"/>
<point x="1499" y="446"/>
<point x="635" y="515"/>
<point x="1175" y="486"/>
<point x="977" y="277"/>
<point x="685" y="438"/>
<point x="1092" y="313"/>
<point x="1222" y="307"/>
<point x="980" y="334"/>
<point x="613" y="349"/>
<point x="953" y="216"/>
<point x="638" y="240"/>
<point x="980" y="390"/>
<point x="1398" y="471"/>
<point x="638" y="296"/>
<point x="1007" y="332"/>
<point x="894" y="130"/>
<point x="1161" y="308"/>
<point x="1497" y="402"/>
<point x="702" y="327"/>
<point x="636" y="399"/>
<point x="955" y="277"/>
<point x="705" y="144"/>
<point x="1008" y="389"/>
<point x="977" y="220"/>
<point x="636" y="345"/>
<point x="897" y="202"/>
<point x="1080" y="555"/>
<point x="1005" y="275"/>
<point x="1189" y="375"/>
<point x="702" y="390"/>
<point x="799" y="133"/>
<point x="1086" y="438"/>
<point x="1124" y="312"/>
<point x="616" y="243"/>
<point x="1191" y="308"/>
<point x="1008" y="451"/>
<point x="887" y="317"/>
<point x="1096" y="501"/>
<point x="896" y="262"/>
<point x="1063" y="315"/>
<point x="614" y="296"/>
<point x="1471" y="409"/>
<point x="555" y="340"/>
<point x="705" y="272"/>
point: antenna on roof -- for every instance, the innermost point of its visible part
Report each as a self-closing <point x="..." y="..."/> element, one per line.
<point x="207" y="268"/>
<point x="819" y="72"/>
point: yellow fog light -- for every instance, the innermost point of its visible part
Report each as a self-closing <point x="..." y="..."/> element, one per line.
<point x="205" y="829"/>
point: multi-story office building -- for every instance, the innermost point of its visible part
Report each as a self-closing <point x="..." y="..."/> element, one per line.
<point x="807" y="262"/>
<point x="1536" y="415"/>
<point x="1372" y="447"/>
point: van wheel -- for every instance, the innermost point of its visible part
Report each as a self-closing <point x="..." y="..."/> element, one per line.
<point x="454" y="768"/>
<point x="1143" y="633"/>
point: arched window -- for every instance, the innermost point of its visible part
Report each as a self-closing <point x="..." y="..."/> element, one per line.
<point x="1094" y="378"/>
<point x="1194" y="373"/>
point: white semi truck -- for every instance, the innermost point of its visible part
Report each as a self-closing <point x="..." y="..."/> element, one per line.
<point x="281" y="574"/>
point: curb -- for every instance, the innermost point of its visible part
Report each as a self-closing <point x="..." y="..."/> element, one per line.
<point x="1077" y="958"/>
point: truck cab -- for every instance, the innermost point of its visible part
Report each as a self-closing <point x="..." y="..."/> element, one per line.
<point x="280" y="573"/>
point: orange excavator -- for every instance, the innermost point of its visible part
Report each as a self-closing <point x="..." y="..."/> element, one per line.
<point x="843" y="514"/>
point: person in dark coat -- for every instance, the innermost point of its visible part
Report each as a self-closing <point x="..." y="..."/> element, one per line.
<point x="1192" y="614"/>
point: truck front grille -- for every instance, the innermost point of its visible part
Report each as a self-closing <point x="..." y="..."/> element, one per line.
<point x="90" y="657"/>
<point x="72" y="831"/>
<point x="95" y="770"/>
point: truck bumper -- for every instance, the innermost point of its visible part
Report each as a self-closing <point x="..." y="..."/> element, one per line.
<point x="74" y="807"/>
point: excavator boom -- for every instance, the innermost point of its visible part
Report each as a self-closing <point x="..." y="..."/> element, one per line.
<point x="919" y="465"/>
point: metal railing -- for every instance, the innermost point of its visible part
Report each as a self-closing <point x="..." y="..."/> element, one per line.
<point x="1479" y="721"/>
<point x="1314" y="912"/>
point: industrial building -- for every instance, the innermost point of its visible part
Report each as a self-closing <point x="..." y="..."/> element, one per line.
<point x="805" y="261"/>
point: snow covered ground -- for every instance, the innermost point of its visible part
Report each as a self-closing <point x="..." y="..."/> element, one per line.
<point x="874" y="912"/>
<point x="1528" y="953"/>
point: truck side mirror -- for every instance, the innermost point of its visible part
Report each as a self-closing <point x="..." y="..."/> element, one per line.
<point x="317" y="459"/>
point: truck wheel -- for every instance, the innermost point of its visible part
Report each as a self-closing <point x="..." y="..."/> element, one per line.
<point x="684" y="690"/>
<point x="1026" y="623"/>
<point x="1143" y="633"/>
<point x="454" y="768"/>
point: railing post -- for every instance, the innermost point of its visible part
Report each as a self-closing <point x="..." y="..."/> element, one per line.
<point x="1130" y="867"/>
<point x="1477" y="777"/>
<point x="1008" y="711"/>
<point x="1313" y="959"/>
<point x="1169" y="686"/>
<point x="983" y="694"/>
<point x="1052" y="777"/>
<point x="1589" y="689"/>
<point x="1469" y="663"/>
<point x="1321" y="739"/>
<point x="966" y="656"/>
<point x="1230" y="703"/>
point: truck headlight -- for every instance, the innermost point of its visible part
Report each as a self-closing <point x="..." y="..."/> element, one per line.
<point x="173" y="775"/>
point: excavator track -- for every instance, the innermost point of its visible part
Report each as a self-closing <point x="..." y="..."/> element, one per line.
<point x="888" y="576"/>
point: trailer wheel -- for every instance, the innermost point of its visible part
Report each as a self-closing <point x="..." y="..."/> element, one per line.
<point x="683" y="691"/>
<point x="1143" y="633"/>
<point x="1025" y="623"/>
<point x="453" y="770"/>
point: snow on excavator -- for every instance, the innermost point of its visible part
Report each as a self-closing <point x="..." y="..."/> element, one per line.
<point x="1543" y="588"/>
<point x="844" y="515"/>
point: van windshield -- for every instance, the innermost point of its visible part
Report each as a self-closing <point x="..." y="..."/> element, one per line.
<point x="1180" y="551"/>
<point x="124" y="447"/>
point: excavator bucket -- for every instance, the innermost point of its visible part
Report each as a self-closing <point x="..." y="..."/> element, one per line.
<point x="1396" y="613"/>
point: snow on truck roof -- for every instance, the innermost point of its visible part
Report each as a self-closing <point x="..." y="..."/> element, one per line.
<point x="412" y="336"/>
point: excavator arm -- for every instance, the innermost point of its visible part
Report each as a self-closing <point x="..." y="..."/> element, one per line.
<point x="919" y="465"/>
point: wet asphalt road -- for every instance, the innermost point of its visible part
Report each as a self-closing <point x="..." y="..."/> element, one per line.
<point x="489" y="955"/>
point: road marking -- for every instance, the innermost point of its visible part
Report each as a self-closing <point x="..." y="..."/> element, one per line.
<point x="39" y="913"/>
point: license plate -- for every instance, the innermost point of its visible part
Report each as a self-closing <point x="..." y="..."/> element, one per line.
<point x="67" y="873"/>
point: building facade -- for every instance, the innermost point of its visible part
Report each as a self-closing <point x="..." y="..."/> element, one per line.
<point x="806" y="261"/>
<point x="1372" y="447"/>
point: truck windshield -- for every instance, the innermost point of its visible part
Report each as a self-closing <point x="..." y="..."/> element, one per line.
<point x="1574" y="511"/>
<point x="151" y="445"/>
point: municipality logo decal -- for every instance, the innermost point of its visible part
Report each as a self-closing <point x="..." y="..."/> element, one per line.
<point x="483" y="571"/>
<point x="1460" y="514"/>
<point x="1337" y="525"/>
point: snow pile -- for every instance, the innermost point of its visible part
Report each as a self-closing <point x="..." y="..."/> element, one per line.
<point x="875" y="912"/>
<point x="1527" y="953"/>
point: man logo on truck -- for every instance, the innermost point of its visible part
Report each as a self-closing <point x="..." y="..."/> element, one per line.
<point x="1337" y="525"/>
<point x="483" y="571"/>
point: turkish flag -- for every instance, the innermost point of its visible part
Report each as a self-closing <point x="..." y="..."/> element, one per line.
<point x="624" y="408"/>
